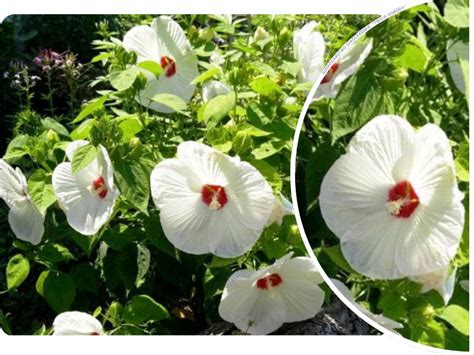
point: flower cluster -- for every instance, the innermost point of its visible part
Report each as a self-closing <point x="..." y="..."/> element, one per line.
<point x="47" y="59"/>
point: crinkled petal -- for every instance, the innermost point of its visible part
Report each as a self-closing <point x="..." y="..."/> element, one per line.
<point x="309" y="47"/>
<point x="299" y="290"/>
<point x="26" y="222"/>
<point x="442" y="281"/>
<point x="143" y="41"/>
<point x="457" y="52"/>
<point x="214" y="88"/>
<point x="76" y="323"/>
<point x="11" y="185"/>
<point x="352" y="59"/>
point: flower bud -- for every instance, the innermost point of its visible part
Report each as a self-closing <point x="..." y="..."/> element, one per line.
<point x="284" y="36"/>
<point x="206" y="34"/>
<point x="52" y="136"/>
<point x="260" y="34"/>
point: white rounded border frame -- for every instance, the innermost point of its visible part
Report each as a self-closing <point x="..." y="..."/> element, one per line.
<point x="294" y="151"/>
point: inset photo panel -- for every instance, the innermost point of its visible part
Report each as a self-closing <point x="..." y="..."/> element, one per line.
<point x="382" y="173"/>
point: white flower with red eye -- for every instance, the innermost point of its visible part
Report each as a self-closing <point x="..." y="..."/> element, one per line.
<point x="393" y="200"/>
<point x="387" y="323"/>
<point x="88" y="196"/>
<point x="457" y="52"/>
<point x="164" y="42"/>
<point x="442" y="281"/>
<point x="25" y="220"/>
<point x="281" y="208"/>
<point x="214" y="88"/>
<point x="308" y="48"/>
<point x="345" y="66"/>
<point x="76" y="323"/>
<point x="259" y="302"/>
<point x="210" y="202"/>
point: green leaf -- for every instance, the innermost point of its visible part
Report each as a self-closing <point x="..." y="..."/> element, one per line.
<point x="218" y="262"/>
<point x="458" y="317"/>
<point x="265" y="87"/>
<point x="40" y="282"/>
<point x="172" y="101"/>
<point x="18" y="268"/>
<point x="17" y="148"/>
<point x="270" y="174"/>
<point x="143" y="264"/>
<point x="461" y="162"/>
<point x="393" y="304"/>
<point x="143" y="308"/>
<point x="268" y="149"/>
<point x="83" y="130"/>
<point x="85" y="277"/>
<point x="123" y="80"/>
<point x="83" y="156"/>
<point x="208" y="74"/>
<point x="217" y="108"/>
<point x="50" y="123"/>
<point x="90" y="108"/>
<point x="431" y="333"/>
<point x="335" y="254"/>
<point x="102" y="57"/>
<point x="41" y="190"/>
<point x="133" y="181"/>
<point x="151" y="66"/>
<point x="360" y="100"/>
<point x="456" y="13"/>
<point x="415" y="55"/>
<point x="130" y="126"/>
<point x="54" y="253"/>
<point x="114" y="313"/>
<point x="464" y="64"/>
<point x="59" y="291"/>
<point x="291" y="68"/>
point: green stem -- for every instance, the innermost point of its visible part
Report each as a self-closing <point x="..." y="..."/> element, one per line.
<point x="50" y="93"/>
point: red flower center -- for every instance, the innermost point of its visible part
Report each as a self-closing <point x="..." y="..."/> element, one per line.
<point x="402" y="200"/>
<point x="213" y="196"/>
<point x="266" y="282"/>
<point x="327" y="78"/>
<point x="98" y="185"/>
<point x="94" y="333"/>
<point x="169" y="66"/>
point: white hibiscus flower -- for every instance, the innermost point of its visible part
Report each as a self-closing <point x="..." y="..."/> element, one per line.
<point x="457" y="52"/>
<point x="76" y="323"/>
<point x="442" y="281"/>
<point x="259" y="302"/>
<point x="88" y="196"/>
<point x="281" y="207"/>
<point x="2" y="333"/>
<point x="214" y="88"/>
<point x="164" y="42"/>
<point x="387" y="323"/>
<point x="309" y="49"/>
<point x="25" y="220"/>
<point x="393" y="200"/>
<point x="210" y="202"/>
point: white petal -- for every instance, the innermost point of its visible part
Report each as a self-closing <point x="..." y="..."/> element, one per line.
<point x="456" y="52"/>
<point x="309" y="47"/>
<point x="281" y="207"/>
<point x="143" y="41"/>
<point x="299" y="290"/>
<point x="11" y="185"/>
<point x="164" y="38"/>
<point x="442" y="281"/>
<point x="26" y="222"/>
<point x="73" y="146"/>
<point x="352" y="59"/>
<point x="214" y="88"/>
<point x="85" y="211"/>
<point x="2" y="333"/>
<point x="76" y="323"/>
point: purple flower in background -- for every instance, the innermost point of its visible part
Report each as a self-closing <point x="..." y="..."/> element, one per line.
<point x="48" y="59"/>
